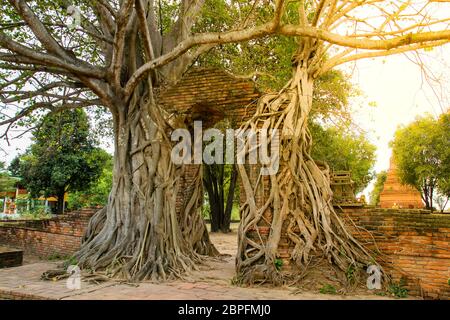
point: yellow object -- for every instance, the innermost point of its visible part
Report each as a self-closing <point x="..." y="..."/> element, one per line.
<point x="54" y="199"/>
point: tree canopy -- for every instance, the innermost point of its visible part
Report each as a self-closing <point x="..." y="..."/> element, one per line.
<point x="7" y="182"/>
<point x="345" y="151"/>
<point x="85" y="61"/>
<point x="98" y="192"/>
<point x="62" y="157"/>
<point x="378" y="188"/>
<point x="422" y="153"/>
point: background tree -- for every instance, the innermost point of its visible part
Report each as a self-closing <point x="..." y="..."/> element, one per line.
<point x="220" y="183"/>
<point x="125" y="50"/>
<point x="443" y="183"/>
<point x="421" y="151"/>
<point x="378" y="188"/>
<point x="7" y="182"/>
<point x="98" y="192"/>
<point x="344" y="151"/>
<point x="61" y="159"/>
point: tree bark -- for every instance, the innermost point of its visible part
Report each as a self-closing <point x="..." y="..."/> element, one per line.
<point x="220" y="208"/>
<point x="139" y="235"/>
<point x="211" y="185"/>
<point x="60" y="203"/>
<point x="298" y="203"/>
<point x="230" y="200"/>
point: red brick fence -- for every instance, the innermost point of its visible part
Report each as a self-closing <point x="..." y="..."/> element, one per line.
<point x="412" y="245"/>
<point x="59" y="236"/>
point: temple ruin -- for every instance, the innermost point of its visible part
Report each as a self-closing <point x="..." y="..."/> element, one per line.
<point x="397" y="195"/>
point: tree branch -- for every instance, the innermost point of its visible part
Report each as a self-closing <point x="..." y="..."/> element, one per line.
<point x="39" y="30"/>
<point x="39" y="58"/>
<point x="240" y="35"/>
<point x="119" y="40"/>
<point x="373" y="54"/>
<point x="364" y="43"/>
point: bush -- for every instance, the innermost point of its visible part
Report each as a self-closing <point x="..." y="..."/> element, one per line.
<point x="398" y="290"/>
<point x="36" y="213"/>
<point x="328" y="289"/>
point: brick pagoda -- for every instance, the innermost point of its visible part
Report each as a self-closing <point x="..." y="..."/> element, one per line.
<point x="396" y="194"/>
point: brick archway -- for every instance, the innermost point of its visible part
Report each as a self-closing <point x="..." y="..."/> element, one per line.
<point x="211" y="94"/>
<point x="208" y="95"/>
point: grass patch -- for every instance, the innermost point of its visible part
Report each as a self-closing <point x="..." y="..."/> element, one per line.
<point x="328" y="289"/>
<point x="398" y="290"/>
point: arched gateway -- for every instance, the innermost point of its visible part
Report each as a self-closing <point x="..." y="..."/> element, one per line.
<point x="208" y="95"/>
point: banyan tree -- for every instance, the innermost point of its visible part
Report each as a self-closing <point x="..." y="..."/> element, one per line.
<point x="119" y="54"/>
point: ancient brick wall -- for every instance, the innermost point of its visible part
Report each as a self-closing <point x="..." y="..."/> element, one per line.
<point x="208" y="95"/>
<point x="46" y="238"/>
<point x="211" y="95"/>
<point x="412" y="245"/>
<point x="395" y="194"/>
<point x="10" y="257"/>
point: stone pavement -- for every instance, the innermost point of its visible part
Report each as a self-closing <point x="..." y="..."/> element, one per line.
<point x="24" y="283"/>
<point x="212" y="281"/>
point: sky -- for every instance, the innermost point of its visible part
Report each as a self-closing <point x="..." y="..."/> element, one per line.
<point x="393" y="83"/>
<point x="396" y="86"/>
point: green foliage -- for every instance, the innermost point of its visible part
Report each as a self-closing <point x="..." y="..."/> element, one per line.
<point x="328" y="289"/>
<point x="269" y="59"/>
<point x="278" y="264"/>
<point x="38" y="213"/>
<point x="398" y="290"/>
<point x="98" y="192"/>
<point x="377" y="188"/>
<point x="7" y="182"/>
<point x="443" y="182"/>
<point x="350" y="274"/>
<point x="206" y="211"/>
<point x="422" y="153"/>
<point x="235" y="216"/>
<point x="56" y="257"/>
<point x="62" y="158"/>
<point x="344" y="151"/>
<point x="70" y="261"/>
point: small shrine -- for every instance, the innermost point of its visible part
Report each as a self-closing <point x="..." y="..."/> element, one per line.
<point x="344" y="190"/>
<point x="397" y="195"/>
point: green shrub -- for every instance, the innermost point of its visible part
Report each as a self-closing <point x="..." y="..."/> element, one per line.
<point x="36" y="213"/>
<point x="328" y="289"/>
<point x="398" y="290"/>
<point x="278" y="264"/>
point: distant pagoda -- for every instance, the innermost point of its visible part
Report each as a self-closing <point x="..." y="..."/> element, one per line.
<point x="396" y="194"/>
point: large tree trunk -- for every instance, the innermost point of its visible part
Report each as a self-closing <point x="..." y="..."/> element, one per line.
<point x="60" y="203"/>
<point x="297" y="200"/>
<point x="212" y="186"/>
<point x="230" y="200"/>
<point x="221" y="208"/>
<point x="139" y="234"/>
